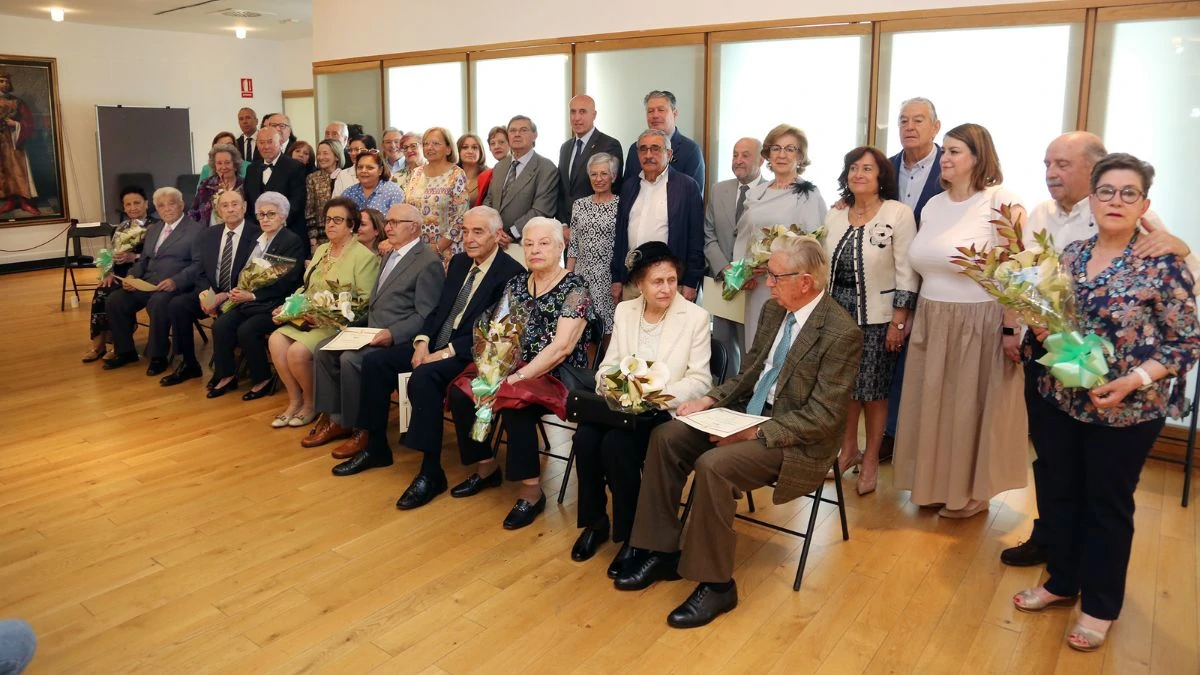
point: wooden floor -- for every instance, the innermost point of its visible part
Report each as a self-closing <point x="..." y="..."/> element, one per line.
<point x="151" y="530"/>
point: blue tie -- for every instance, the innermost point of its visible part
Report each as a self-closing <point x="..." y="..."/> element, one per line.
<point x="759" y="400"/>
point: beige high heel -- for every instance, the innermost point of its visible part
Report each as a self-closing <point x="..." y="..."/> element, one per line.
<point x="1029" y="601"/>
<point x="1089" y="640"/>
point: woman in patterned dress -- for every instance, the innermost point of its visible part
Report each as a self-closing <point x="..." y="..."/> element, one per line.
<point x="439" y="191"/>
<point x="593" y="226"/>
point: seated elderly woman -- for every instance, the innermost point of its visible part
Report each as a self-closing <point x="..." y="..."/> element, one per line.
<point x="226" y="164"/>
<point x="1093" y="444"/>
<point x="560" y="308"/>
<point x="249" y="322"/>
<point x="658" y="326"/>
<point x="134" y="205"/>
<point x="343" y="260"/>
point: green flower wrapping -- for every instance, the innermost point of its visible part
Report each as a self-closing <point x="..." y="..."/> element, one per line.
<point x="1078" y="361"/>
<point x="104" y="261"/>
<point x="735" y="278"/>
<point x="482" y="427"/>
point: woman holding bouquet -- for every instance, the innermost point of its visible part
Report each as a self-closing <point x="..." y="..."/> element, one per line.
<point x="658" y="326"/>
<point x="226" y="164"/>
<point x="559" y="308"/>
<point x="1094" y="443"/>
<point x="340" y="262"/>
<point x="134" y="204"/>
<point x="787" y="200"/>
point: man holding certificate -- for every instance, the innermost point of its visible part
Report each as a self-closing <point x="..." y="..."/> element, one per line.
<point x="800" y="372"/>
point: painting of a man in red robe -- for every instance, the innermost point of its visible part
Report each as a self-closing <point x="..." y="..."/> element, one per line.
<point x="16" y="127"/>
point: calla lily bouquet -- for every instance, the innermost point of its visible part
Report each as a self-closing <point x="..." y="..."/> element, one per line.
<point x="124" y="241"/>
<point x="636" y="385"/>
<point x="497" y="353"/>
<point x="334" y="307"/>
<point x="741" y="271"/>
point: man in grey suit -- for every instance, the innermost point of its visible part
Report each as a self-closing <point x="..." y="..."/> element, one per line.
<point x="407" y="292"/>
<point x="725" y="207"/>
<point x="166" y="263"/>
<point x="573" y="156"/>
<point x="524" y="185"/>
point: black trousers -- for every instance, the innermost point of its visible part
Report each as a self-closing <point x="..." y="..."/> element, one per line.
<point x="520" y="426"/>
<point x="247" y="326"/>
<point x="612" y="457"/>
<point x="427" y="396"/>
<point x="1033" y="407"/>
<point x="184" y="311"/>
<point x="1090" y="474"/>
<point x="123" y="306"/>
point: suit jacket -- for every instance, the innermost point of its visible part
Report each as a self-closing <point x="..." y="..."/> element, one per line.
<point x="719" y="226"/>
<point x="685" y="346"/>
<point x="808" y="419"/>
<point x="685" y="225"/>
<point x="409" y="294"/>
<point x="487" y="294"/>
<point x="579" y="185"/>
<point x="173" y="260"/>
<point x="288" y="245"/>
<point x="207" y="252"/>
<point x="289" y="178"/>
<point x="534" y="192"/>
<point x="685" y="156"/>
<point x="241" y="146"/>
<point x="933" y="185"/>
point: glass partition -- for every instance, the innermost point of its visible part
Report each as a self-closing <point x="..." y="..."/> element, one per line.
<point x="427" y="95"/>
<point x="535" y="86"/>
<point x="354" y="97"/>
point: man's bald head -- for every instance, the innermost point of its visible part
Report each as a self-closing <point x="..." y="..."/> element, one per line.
<point x="583" y="115"/>
<point x="1069" y="161"/>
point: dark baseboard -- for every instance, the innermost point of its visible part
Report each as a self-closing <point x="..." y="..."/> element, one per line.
<point x="1172" y="442"/>
<point x="32" y="265"/>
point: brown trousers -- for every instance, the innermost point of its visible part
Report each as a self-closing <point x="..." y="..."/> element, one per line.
<point x="722" y="474"/>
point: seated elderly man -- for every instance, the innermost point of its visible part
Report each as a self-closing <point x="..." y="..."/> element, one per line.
<point x="474" y="282"/>
<point x="800" y="372"/>
<point x="405" y="294"/>
<point x="167" y="264"/>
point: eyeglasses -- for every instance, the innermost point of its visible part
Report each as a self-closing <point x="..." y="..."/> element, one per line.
<point x="336" y="220"/>
<point x="266" y="215"/>
<point x="279" y="125"/>
<point x="392" y="222"/>
<point x="786" y="149"/>
<point x="434" y="144"/>
<point x="1129" y="195"/>
<point x="771" y="276"/>
<point x="410" y="146"/>
<point x="652" y="149"/>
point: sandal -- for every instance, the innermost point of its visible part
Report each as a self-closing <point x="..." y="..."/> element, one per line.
<point x="1029" y="601"/>
<point x="1088" y="640"/>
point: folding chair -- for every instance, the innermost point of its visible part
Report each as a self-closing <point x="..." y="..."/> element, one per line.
<point x="73" y="257"/>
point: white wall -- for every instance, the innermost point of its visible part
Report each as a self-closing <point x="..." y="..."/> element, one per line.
<point x="103" y="65"/>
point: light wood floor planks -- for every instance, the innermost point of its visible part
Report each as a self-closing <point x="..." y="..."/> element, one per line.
<point x="149" y="530"/>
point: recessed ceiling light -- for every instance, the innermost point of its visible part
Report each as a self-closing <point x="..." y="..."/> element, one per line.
<point x="57" y="13"/>
<point x="240" y="33"/>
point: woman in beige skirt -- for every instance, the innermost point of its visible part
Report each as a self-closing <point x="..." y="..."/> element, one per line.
<point x="961" y="437"/>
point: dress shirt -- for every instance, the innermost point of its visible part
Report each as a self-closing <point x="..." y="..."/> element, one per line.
<point x="801" y="315"/>
<point x="237" y="238"/>
<point x="263" y="245"/>
<point x="166" y="232"/>
<point x="483" y="270"/>
<point x="248" y="146"/>
<point x="394" y="259"/>
<point x="396" y="166"/>
<point x="268" y="167"/>
<point x="648" y="215"/>
<point x="912" y="180"/>
<point x="524" y="162"/>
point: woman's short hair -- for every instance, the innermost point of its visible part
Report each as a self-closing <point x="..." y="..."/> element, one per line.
<point x="804" y="254"/>
<point x="1123" y="161"/>
<point x="987" y="163"/>
<point x="312" y="153"/>
<point x="385" y="173"/>
<point x="885" y="175"/>
<point x="132" y="190"/>
<point x="773" y="136"/>
<point x="224" y="134"/>
<point x="376" y="220"/>
<point x="168" y="192"/>
<point x="274" y="199"/>
<point x="226" y="148"/>
<point x="604" y="157"/>
<point x="641" y="259"/>
<point x="410" y="134"/>
<point x="498" y="131"/>
<point x="338" y="150"/>
<point x="462" y="140"/>
<point x="541" y="222"/>
<point x="345" y="203"/>
<point x="447" y="138"/>
<point x="367" y="140"/>
<point x="495" y="222"/>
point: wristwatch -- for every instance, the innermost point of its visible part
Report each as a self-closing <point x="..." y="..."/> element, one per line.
<point x="899" y="326"/>
<point x="758" y="433"/>
<point x="1008" y="330"/>
<point x="445" y="355"/>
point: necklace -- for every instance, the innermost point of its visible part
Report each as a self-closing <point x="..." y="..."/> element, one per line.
<point x="648" y="327"/>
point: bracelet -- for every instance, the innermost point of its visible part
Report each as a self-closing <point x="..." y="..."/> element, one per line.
<point x="1144" y="375"/>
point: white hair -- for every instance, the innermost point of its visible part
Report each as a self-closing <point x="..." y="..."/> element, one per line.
<point x="274" y="199"/>
<point x="656" y="132"/>
<point x="492" y="215"/>
<point x="164" y="193"/>
<point x="604" y="157"/>
<point x="804" y="254"/>
<point x="554" y="227"/>
<point x="924" y="101"/>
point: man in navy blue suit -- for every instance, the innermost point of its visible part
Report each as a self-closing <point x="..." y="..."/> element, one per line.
<point x="686" y="156"/>
<point x="659" y="203"/>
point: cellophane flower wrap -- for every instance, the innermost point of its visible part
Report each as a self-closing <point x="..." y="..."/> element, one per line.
<point x="757" y="255"/>
<point x="334" y="307"/>
<point x="497" y="353"/>
<point x="1032" y="283"/>
<point x="259" y="273"/>
<point x="636" y="385"/>
<point x="124" y="241"/>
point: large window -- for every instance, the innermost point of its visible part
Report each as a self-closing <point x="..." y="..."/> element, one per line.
<point x="535" y="86"/>
<point x="424" y="95"/>
<point x="819" y="84"/>
<point x="1020" y="82"/>
<point x="352" y="96"/>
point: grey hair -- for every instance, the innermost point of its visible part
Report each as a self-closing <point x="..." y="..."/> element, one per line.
<point x="271" y="130"/>
<point x="922" y="99"/>
<point x="555" y="227"/>
<point x="338" y="151"/>
<point x="345" y="133"/>
<point x="224" y="147"/>
<point x="391" y="130"/>
<point x="164" y="193"/>
<point x="518" y="118"/>
<point x="660" y="93"/>
<point x="656" y="132"/>
<point x="273" y="199"/>
<point x="603" y="157"/>
<point x="804" y="254"/>
<point x="493" y="217"/>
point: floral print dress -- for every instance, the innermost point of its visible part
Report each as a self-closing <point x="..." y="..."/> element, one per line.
<point x="442" y="201"/>
<point x="569" y="299"/>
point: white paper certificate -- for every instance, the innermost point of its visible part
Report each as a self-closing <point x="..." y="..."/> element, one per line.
<point x="716" y="304"/>
<point x="722" y="422"/>
<point x="350" y="339"/>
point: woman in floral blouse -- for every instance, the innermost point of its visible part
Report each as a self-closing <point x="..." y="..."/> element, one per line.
<point x="439" y="191"/>
<point x="1094" y="442"/>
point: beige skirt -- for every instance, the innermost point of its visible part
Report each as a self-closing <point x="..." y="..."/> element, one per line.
<point x="962" y="432"/>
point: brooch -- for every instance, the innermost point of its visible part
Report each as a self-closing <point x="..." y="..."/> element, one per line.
<point x="880" y="235"/>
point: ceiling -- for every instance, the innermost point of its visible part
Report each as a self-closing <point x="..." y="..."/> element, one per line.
<point x="279" y="20"/>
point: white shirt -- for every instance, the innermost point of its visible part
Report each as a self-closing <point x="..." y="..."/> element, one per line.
<point x="263" y="245"/>
<point x="801" y="315"/>
<point x="912" y="181"/>
<point x="237" y="237"/>
<point x="648" y="215"/>
<point x="343" y="178"/>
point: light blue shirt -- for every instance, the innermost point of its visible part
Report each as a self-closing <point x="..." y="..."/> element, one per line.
<point x="912" y="181"/>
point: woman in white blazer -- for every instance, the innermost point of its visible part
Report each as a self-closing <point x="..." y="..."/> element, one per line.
<point x="659" y="326"/>
<point x="871" y="278"/>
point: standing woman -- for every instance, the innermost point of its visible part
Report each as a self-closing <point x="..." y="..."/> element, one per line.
<point x="1094" y="443"/>
<point x="411" y="147"/>
<point x="320" y="188"/>
<point x="373" y="189"/>
<point x="498" y="143"/>
<point x="223" y="138"/>
<point x="593" y="226"/>
<point x="133" y="203"/>
<point x="226" y="164"/>
<point x="439" y="191"/>
<point x="787" y="200"/>
<point x="349" y="176"/>
<point x="473" y="163"/>
<point x="961" y="437"/>
<point x="871" y="278"/>
<point x="302" y="152"/>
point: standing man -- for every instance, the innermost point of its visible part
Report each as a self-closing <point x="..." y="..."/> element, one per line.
<point x="246" y="143"/>
<point x="276" y="172"/>
<point x="392" y="152"/>
<point x="283" y="124"/>
<point x="524" y="185"/>
<point x="573" y="156"/>
<point x="725" y="207"/>
<point x="686" y="157"/>
<point x="339" y="131"/>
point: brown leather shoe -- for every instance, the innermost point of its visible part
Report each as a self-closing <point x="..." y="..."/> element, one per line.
<point x="356" y="442"/>
<point x="324" y="433"/>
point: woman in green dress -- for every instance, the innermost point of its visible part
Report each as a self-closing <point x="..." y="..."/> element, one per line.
<point x="342" y="260"/>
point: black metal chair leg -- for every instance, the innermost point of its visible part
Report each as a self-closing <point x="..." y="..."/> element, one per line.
<point x="750" y="500"/>
<point x="841" y="504"/>
<point x="812" y="526"/>
<point x="1190" y="451"/>
<point x="562" y="489"/>
<point x="687" y="506"/>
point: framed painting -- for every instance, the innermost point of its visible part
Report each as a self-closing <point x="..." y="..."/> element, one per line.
<point x="33" y="188"/>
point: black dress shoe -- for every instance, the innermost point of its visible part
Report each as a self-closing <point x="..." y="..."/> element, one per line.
<point x="157" y="367"/>
<point x="186" y="371"/>
<point x="702" y="606"/>
<point x="523" y="513"/>
<point x="217" y="392"/>
<point x="1024" y="554"/>
<point x="422" y="491"/>
<point x="120" y="360"/>
<point x="621" y="561"/>
<point x="255" y="395"/>
<point x="644" y="571"/>
<point x="360" y="463"/>
<point x="473" y="485"/>
<point x="589" y="540"/>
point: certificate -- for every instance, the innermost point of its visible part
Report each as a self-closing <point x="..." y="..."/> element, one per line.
<point x="717" y="305"/>
<point x="722" y="422"/>
<point x="138" y="284"/>
<point x="350" y="339"/>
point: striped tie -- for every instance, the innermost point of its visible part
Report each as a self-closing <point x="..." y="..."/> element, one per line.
<point x="225" y="275"/>
<point x="460" y="303"/>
